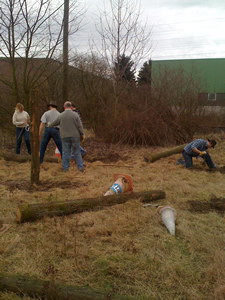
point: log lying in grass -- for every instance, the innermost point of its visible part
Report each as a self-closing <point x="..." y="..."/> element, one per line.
<point x="153" y="157"/>
<point x="33" y="287"/>
<point x="32" y="212"/>
<point x="24" y="157"/>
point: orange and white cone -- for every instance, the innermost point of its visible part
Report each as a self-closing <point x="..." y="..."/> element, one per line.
<point x="57" y="153"/>
<point x="122" y="184"/>
<point x="167" y="215"/>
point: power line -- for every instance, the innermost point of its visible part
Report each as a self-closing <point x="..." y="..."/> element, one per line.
<point x="219" y="37"/>
<point x="179" y="38"/>
<point x="174" y="31"/>
<point x="189" y="22"/>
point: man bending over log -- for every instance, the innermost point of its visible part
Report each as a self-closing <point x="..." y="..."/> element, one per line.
<point x="197" y="149"/>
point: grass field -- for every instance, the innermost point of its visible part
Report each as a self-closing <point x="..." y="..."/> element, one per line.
<point x="122" y="249"/>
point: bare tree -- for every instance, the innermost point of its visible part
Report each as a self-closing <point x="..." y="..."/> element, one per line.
<point x="30" y="30"/>
<point x="30" y="36"/>
<point x="92" y="88"/>
<point x="23" y="35"/>
<point x="122" y="35"/>
<point x="175" y="96"/>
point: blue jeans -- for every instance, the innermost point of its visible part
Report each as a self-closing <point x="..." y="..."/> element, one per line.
<point x="48" y="134"/>
<point x="83" y="152"/>
<point x="189" y="164"/>
<point x="20" y="133"/>
<point x="67" y="144"/>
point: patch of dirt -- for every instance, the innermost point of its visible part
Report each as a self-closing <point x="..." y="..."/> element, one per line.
<point x="97" y="150"/>
<point x="45" y="186"/>
<point x="212" y="170"/>
<point x="215" y="204"/>
<point x="221" y="170"/>
<point x="111" y="157"/>
<point x="100" y="151"/>
<point x="199" y="168"/>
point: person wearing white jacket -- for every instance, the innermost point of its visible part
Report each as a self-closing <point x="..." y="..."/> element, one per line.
<point x="21" y="121"/>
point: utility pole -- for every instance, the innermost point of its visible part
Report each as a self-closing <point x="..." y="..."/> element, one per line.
<point x="65" y="91"/>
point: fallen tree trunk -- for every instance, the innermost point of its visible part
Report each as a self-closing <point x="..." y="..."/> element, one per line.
<point x="24" y="157"/>
<point x="153" y="157"/>
<point x="33" y="287"/>
<point x="31" y="212"/>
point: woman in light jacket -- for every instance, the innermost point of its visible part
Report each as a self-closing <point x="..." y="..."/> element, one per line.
<point x="21" y="119"/>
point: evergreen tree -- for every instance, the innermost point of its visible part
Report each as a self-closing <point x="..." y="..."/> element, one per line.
<point x="144" y="75"/>
<point x="123" y="68"/>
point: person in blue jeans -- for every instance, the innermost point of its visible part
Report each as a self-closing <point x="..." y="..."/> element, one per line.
<point x="21" y="119"/>
<point x="71" y="132"/>
<point x="49" y="133"/>
<point x="197" y="148"/>
<point x="83" y="151"/>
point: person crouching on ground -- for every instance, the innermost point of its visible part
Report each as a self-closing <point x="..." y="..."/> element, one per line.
<point x="49" y="133"/>
<point x="71" y="132"/>
<point x="197" y="149"/>
<point x="21" y="119"/>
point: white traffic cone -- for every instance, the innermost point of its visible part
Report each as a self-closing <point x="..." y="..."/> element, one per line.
<point x="122" y="184"/>
<point x="57" y="153"/>
<point x="167" y="215"/>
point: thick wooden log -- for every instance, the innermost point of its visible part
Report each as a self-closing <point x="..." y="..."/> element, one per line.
<point x="34" y="287"/>
<point x="31" y="212"/>
<point x="24" y="157"/>
<point x="153" y="157"/>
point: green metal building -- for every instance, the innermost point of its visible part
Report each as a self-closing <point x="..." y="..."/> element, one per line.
<point x="211" y="72"/>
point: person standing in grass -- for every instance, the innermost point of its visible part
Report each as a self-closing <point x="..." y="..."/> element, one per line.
<point x="83" y="151"/>
<point x="21" y="120"/>
<point x="49" y="133"/>
<point x="71" y="132"/>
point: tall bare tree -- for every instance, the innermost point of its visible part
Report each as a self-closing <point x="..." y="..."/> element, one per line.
<point x="122" y="35"/>
<point x="23" y="35"/>
<point x="29" y="30"/>
<point x="30" y="36"/>
<point x="92" y="88"/>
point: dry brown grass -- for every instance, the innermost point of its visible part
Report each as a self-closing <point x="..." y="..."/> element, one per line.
<point x="121" y="248"/>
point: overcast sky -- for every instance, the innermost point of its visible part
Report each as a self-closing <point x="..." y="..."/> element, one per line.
<point x="181" y="29"/>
